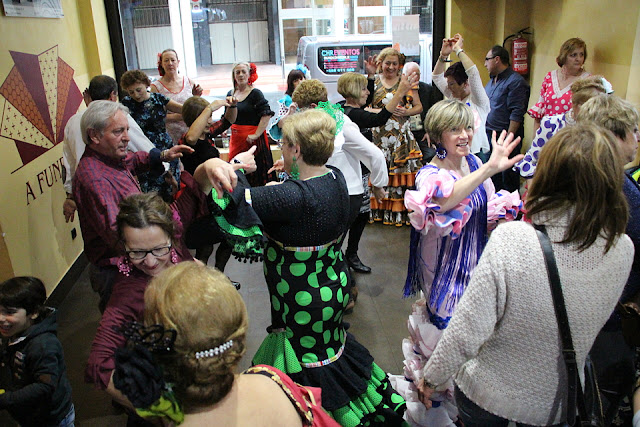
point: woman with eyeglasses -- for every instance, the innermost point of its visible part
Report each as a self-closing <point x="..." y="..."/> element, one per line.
<point x="151" y="233"/>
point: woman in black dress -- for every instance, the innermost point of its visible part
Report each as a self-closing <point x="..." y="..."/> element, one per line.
<point x="304" y="219"/>
<point x="252" y="120"/>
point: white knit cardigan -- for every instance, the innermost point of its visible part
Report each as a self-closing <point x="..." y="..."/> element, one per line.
<point x="502" y="345"/>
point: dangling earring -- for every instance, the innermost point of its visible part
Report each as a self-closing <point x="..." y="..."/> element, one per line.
<point x="295" y="171"/>
<point x="174" y="256"/>
<point x="124" y="266"/>
<point x="441" y="152"/>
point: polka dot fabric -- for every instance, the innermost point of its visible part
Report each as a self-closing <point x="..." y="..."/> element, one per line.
<point x="553" y="100"/>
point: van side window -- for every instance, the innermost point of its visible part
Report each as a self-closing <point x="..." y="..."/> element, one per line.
<point x="335" y="60"/>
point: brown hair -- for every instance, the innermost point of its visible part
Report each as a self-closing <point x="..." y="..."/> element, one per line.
<point x="161" y="70"/>
<point x="568" y="47"/>
<point x="350" y="85"/>
<point x="315" y="131"/>
<point x="206" y="311"/>
<point x="445" y="115"/>
<point x="580" y="171"/>
<point x="458" y="73"/>
<point x="586" y="88"/>
<point x="389" y="51"/>
<point x="610" y="112"/>
<point x="26" y="292"/>
<point x="132" y="77"/>
<point x="192" y="108"/>
<point x="294" y="76"/>
<point x="144" y="210"/>
<point x="309" y="92"/>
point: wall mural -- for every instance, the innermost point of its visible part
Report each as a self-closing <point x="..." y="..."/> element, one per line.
<point x="39" y="97"/>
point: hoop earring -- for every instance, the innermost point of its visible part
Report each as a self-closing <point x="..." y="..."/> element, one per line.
<point x="295" y="171"/>
<point x="441" y="152"/>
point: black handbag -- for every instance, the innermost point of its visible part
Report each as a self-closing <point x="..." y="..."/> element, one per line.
<point x="587" y="402"/>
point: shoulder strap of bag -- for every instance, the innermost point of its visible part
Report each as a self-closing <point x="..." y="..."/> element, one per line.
<point x="568" y="353"/>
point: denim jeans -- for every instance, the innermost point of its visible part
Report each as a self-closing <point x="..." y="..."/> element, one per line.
<point x="69" y="419"/>
<point x="474" y="416"/>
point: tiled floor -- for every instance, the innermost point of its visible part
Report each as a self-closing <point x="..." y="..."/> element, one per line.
<point x="378" y="321"/>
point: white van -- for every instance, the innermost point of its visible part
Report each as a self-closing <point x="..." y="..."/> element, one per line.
<point x="327" y="57"/>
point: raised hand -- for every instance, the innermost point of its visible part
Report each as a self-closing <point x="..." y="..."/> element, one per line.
<point x="370" y="65"/>
<point x="502" y="148"/>
<point x="197" y="90"/>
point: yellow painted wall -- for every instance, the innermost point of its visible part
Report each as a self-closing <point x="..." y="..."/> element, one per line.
<point x="611" y="30"/>
<point x="35" y="239"/>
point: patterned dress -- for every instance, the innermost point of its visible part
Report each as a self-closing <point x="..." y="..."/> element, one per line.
<point x="308" y="286"/>
<point x="445" y="249"/>
<point x="549" y="126"/>
<point x="150" y="116"/>
<point x="402" y="153"/>
<point x="177" y="128"/>
<point x="552" y="100"/>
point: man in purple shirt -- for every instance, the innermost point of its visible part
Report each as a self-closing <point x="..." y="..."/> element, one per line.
<point x="508" y="93"/>
<point x="105" y="175"/>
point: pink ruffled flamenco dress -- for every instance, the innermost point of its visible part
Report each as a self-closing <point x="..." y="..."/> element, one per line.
<point x="445" y="248"/>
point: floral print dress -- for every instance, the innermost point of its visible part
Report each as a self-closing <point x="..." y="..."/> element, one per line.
<point x="150" y="116"/>
<point x="402" y="153"/>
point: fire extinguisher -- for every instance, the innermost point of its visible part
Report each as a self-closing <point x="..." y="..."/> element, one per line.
<point x="519" y="51"/>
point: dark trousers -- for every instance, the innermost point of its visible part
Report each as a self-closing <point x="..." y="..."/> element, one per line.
<point x="474" y="416"/>
<point x="101" y="279"/>
<point x="506" y="180"/>
<point x="355" y="233"/>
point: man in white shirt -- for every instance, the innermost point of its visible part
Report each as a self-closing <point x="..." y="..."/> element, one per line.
<point x="100" y="88"/>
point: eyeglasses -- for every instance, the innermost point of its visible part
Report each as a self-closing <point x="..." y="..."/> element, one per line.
<point x="487" y="59"/>
<point x="156" y="252"/>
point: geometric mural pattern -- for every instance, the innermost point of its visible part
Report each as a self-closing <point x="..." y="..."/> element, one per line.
<point x="40" y="97"/>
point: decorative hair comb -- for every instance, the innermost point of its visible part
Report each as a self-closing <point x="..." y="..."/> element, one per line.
<point x="212" y="352"/>
<point x="607" y="86"/>
<point x="155" y="338"/>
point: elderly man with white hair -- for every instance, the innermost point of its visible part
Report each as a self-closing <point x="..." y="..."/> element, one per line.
<point x="428" y="95"/>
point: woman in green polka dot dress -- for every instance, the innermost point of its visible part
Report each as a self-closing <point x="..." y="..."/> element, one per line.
<point x="305" y="219"/>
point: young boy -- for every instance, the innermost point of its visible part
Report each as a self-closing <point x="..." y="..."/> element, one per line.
<point x="36" y="391"/>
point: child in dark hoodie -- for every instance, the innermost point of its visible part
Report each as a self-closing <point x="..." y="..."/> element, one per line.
<point x="33" y="379"/>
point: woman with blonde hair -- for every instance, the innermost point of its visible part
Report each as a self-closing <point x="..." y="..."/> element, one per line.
<point x="395" y="138"/>
<point x="502" y="346"/>
<point x="210" y="322"/>
<point x="452" y="207"/>
<point x="582" y="90"/>
<point x="555" y="93"/>
<point x="304" y="219"/>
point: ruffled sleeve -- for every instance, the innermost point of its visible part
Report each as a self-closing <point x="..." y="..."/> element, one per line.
<point x="431" y="183"/>
<point x="503" y="205"/>
<point x="539" y="108"/>
<point x="260" y="104"/>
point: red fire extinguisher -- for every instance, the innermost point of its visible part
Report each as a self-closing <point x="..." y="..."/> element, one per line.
<point x="519" y="52"/>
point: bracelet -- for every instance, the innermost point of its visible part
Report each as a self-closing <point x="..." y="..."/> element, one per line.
<point x="458" y="52"/>
<point x="236" y="161"/>
<point x="232" y="106"/>
<point x="163" y="155"/>
<point x="441" y="59"/>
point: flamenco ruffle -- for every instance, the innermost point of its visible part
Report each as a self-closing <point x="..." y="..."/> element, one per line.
<point x="356" y="391"/>
<point x="435" y="183"/>
<point x="504" y="205"/>
<point x="417" y="349"/>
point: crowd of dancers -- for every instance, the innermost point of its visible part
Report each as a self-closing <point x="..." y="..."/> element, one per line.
<point x="483" y="346"/>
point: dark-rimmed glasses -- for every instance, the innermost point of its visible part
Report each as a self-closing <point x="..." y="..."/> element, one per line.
<point x="156" y="252"/>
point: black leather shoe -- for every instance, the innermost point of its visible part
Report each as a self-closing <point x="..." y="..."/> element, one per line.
<point x="354" y="263"/>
